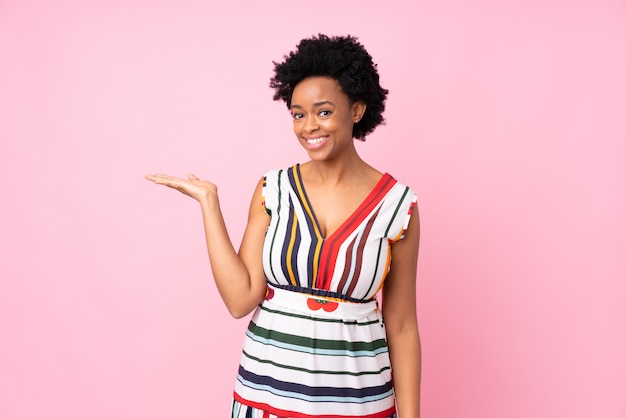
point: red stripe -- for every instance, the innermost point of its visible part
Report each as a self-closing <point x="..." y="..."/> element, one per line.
<point x="330" y="251"/>
<point x="346" y="267"/>
<point x="291" y="414"/>
<point x="359" y="252"/>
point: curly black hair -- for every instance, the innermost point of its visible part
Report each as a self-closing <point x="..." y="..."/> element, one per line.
<point x="342" y="58"/>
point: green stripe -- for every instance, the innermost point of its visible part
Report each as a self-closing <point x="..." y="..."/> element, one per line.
<point x="300" y="369"/>
<point x="395" y="212"/>
<point x="316" y="342"/>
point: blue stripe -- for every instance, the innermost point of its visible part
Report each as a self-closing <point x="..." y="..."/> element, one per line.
<point x="294" y="253"/>
<point x="314" y="394"/>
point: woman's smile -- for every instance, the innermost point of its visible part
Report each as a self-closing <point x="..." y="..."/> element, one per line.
<point x="316" y="142"/>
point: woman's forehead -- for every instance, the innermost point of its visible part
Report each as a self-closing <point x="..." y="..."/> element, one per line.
<point x="318" y="89"/>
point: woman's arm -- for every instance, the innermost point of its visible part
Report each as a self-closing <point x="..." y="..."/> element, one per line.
<point x="399" y="312"/>
<point x="239" y="276"/>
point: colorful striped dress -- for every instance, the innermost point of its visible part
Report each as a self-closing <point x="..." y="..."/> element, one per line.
<point x="316" y="346"/>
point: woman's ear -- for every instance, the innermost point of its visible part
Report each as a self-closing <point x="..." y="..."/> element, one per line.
<point x="358" y="109"/>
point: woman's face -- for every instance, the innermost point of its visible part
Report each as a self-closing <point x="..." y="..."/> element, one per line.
<point x="323" y="117"/>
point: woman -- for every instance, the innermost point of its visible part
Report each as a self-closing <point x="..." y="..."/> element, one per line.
<point x="322" y="238"/>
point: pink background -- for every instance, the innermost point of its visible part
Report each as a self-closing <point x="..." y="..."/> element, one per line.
<point x="507" y="118"/>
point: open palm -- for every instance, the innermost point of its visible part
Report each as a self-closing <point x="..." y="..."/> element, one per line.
<point x="192" y="186"/>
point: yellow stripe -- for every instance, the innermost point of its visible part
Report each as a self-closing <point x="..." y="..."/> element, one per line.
<point x="330" y="299"/>
<point x="316" y="256"/>
<point x="397" y="237"/>
<point x="318" y="247"/>
<point x="292" y="240"/>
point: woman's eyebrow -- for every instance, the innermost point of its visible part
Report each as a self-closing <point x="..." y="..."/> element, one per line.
<point x="316" y="104"/>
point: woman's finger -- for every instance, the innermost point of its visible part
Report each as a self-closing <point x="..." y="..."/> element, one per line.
<point x="162" y="177"/>
<point x="169" y="181"/>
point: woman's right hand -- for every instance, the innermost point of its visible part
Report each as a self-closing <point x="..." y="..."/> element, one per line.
<point x="192" y="186"/>
<point x="239" y="275"/>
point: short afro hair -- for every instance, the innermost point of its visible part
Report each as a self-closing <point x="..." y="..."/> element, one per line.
<point x="342" y="58"/>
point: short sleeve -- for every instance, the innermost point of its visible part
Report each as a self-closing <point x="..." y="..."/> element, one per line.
<point x="403" y="200"/>
<point x="269" y="192"/>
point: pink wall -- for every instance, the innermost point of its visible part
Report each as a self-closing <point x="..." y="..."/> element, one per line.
<point x="506" y="117"/>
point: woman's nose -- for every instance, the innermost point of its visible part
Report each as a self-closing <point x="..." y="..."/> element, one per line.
<point x="310" y="124"/>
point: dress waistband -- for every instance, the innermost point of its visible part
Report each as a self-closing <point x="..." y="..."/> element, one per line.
<point x="319" y="306"/>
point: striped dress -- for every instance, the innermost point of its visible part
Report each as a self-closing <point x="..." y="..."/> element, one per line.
<point x="316" y="346"/>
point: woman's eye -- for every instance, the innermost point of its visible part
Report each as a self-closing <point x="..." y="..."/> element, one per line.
<point x="297" y="115"/>
<point x="325" y="113"/>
